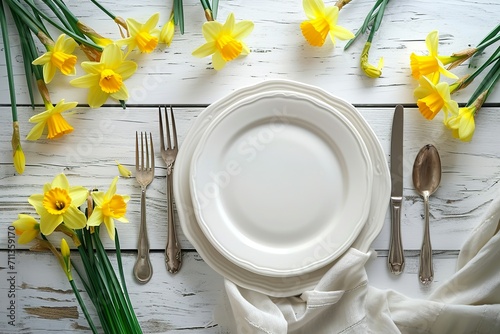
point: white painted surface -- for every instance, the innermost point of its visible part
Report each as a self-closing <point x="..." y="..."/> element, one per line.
<point x="171" y="75"/>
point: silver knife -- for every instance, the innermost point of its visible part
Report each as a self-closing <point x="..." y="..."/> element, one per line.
<point x="396" y="257"/>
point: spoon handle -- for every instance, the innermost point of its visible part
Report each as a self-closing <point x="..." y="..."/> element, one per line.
<point x="426" y="272"/>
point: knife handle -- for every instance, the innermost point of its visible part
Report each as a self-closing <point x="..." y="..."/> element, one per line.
<point x="396" y="256"/>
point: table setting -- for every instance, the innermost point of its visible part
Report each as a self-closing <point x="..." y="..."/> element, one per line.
<point x="319" y="167"/>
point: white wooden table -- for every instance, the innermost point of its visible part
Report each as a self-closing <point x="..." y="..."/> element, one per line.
<point x="43" y="300"/>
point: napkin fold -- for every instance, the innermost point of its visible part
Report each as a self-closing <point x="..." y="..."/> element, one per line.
<point x="344" y="302"/>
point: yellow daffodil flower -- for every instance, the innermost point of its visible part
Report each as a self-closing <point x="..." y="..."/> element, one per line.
<point x="93" y="35"/>
<point x="59" y="57"/>
<point x="108" y="207"/>
<point x="167" y="32"/>
<point x="52" y="118"/>
<point x="27" y="228"/>
<point x="66" y="261"/>
<point x="144" y="36"/>
<point x="433" y="64"/>
<point x="17" y="151"/>
<point x="124" y="171"/>
<point x="59" y="203"/>
<point x="434" y="98"/>
<point x="224" y="41"/>
<point x="322" y="22"/>
<point x="463" y="124"/>
<point x="105" y="78"/>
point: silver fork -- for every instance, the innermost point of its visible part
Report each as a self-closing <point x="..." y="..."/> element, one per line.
<point x="172" y="251"/>
<point x="145" y="170"/>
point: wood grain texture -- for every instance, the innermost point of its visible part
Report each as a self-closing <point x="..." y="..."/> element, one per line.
<point x="186" y="302"/>
<point x="278" y="50"/>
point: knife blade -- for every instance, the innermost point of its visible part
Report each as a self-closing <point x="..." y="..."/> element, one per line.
<point x="396" y="258"/>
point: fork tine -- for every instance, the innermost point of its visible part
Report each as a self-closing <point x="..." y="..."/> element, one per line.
<point x="173" y="126"/>
<point x="168" y="128"/>
<point x="152" y="151"/>
<point x="147" y="150"/>
<point x="136" y="152"/>
<point x="142" y="152"/>
<point x="162" y="142"/>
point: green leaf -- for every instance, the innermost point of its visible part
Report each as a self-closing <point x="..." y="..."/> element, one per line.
<point x="179" y="15"/>
<point x="215" y="8"/>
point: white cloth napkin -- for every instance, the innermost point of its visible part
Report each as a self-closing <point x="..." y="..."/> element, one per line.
<point x="344" y="302"/>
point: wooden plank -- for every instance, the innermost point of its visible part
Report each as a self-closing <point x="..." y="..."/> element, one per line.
<point x="44" y="301"/>
<point x="87" y="156"/>
<point x="278" y="50"/>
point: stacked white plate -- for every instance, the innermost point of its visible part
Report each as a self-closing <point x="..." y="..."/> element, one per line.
<point x="276" y="181"/>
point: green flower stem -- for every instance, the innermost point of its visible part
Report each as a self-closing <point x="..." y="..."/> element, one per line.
<point x="370" y="19"/>
<point x="25" y="16"/>
<point x="122" y="278"/>
<point x="378" y="20"/>
<point x="101" y="7"/>
<point x="208" y="10"/>
<point x="494" y="57"/>
<point x="179" y="15"/>
<point x="70" y="17"/>
<point x="489" y="37"/>
<point x="84" y="308"/>
<point x="68" y="32"/>
<point x="8" y="61"/>
<point x="52" y="6"/>
<point x="487" y="84"/>
<point x="129" y="317"/>
<point x="215" y="6"/>
<point x="484" y="45"/>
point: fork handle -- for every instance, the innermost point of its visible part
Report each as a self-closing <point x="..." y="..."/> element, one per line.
<point x="173" y="257"/>
<point x="143" y="270"/>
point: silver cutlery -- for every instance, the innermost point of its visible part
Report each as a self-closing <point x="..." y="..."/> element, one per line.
<point x="396" y="258"/>
<point x="426" y="179"/>
<point x="144" y="166"/>
<point x="173" y="258"/>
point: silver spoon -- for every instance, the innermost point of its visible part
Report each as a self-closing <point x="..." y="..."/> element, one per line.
<point x="426" y="179"/>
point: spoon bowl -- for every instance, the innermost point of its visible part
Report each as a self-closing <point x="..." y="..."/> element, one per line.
<point x="426" y="179"/>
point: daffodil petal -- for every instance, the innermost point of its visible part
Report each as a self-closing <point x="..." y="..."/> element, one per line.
<point x="74" y="218"/>
<point x="36" y="131"/>
<point x="49" y="72"/>
<point x="121" y="94"/>
<point x="134" y="26"/>
<point x="432" y="41"/>
<point x="122" y="220"/>
<point x="112" y="188"/>
<point x="24" y="222"/>
<point x="152" y="22"/>
<point x="48" y="222"/>
<point x="110" y="226"/>
<point x="205" y="50"/>
<point x="211" y="30"/>
<point x="98" y="197"/>
<point x="243" y="29"/>
<point x="341" y="33"/>
<point x="217" y="61"/>
<point x="127" y="69"/>
<point x="112" y="56"/>
<point x="92" y="67"/>
<point x="78" y="195"/>
<point x="69" y="45"/>
<point x="96" y="97"/>
<point x="228" y="26"/>
<point x="86" y="81"/>
<point x="96" y="217"/>
<point x="28" y="236"/>
<point x="36" y="201"/>
<point x="313" y="8"/>
<point x="60" y="181"/>
<point x="43" y="59"/>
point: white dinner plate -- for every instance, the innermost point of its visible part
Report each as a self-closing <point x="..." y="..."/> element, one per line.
<point x="277" y="176"/>
<point x="294" y="284"/>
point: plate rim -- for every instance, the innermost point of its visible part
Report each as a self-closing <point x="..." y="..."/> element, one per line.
<point x="293" y="285"/>
<point x="263" y="263"/>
